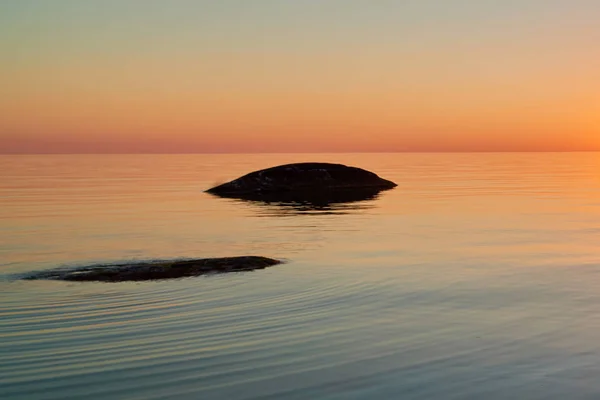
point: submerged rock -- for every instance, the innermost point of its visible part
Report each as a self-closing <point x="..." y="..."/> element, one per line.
<point x="152" y="270"/>
<point x="305" y="181"/>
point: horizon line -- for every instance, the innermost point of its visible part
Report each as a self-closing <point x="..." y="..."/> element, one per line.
<point x="300" y="152"/>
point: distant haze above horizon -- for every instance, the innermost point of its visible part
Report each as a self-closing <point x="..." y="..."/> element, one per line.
<point x="183" y="76"/>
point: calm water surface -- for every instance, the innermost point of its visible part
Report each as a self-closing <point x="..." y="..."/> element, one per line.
<point x="478" y="277"/>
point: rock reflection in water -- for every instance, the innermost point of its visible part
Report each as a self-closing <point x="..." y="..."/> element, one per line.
<point x="329" y="202"/>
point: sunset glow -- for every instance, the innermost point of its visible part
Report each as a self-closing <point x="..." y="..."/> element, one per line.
<point x="316" y="76"/>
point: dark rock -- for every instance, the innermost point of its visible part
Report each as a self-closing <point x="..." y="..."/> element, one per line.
<point x="153" y="270"/>
<point x="312" y="182"/>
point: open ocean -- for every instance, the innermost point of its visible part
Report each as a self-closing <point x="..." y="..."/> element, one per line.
<point x="478" y="277"/>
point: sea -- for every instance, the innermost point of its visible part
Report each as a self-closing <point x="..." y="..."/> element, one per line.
<point x="477" y="277"/>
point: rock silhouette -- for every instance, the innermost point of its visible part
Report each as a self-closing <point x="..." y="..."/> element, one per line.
<point x="319" y="183"/>
<point x="154" y="270"/>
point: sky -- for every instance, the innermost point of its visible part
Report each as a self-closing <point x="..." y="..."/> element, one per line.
<point x="193" y="76"/>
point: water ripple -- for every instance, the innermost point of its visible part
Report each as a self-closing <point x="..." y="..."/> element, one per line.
<point x="473" y="279"/>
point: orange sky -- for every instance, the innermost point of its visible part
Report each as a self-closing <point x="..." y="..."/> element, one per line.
<point x="134" y="76"/>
